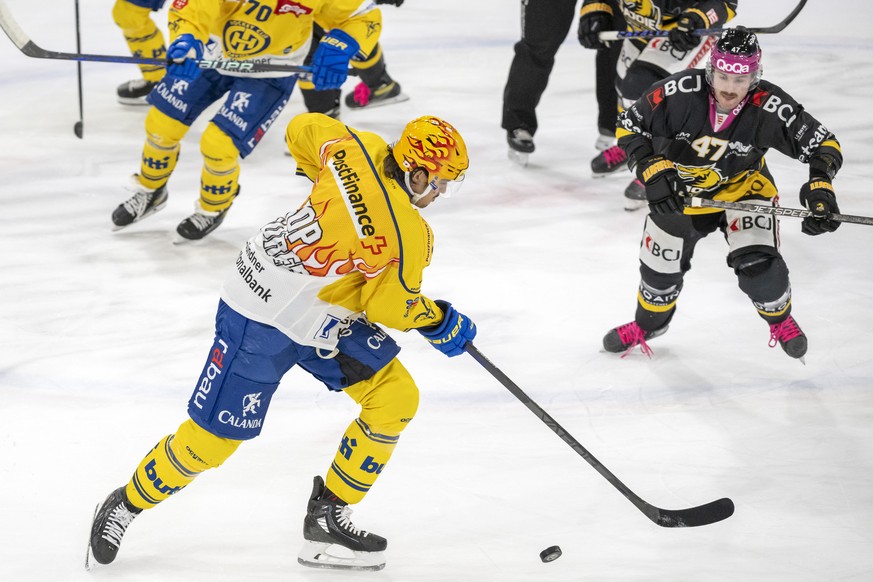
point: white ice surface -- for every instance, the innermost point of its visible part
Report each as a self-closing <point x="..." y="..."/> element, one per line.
<point x="104" y="334"/>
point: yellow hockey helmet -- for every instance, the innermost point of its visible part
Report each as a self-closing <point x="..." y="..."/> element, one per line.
<point x="435" y="145"/>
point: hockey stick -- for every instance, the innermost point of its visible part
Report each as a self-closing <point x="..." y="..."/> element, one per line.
<point x="79" y="127"/>
<point x="29" y="48"/>
<point x="778" y="27"/>
<point x="693" y="516"/>
<point x="774" y="210"/>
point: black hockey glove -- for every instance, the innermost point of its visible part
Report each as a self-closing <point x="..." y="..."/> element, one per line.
<point x="392" y="2"/>
<point x="817" y="195"/>
<point x="593" y="19"/>
<point x="665" y="190"/>
<point x="682" y="37"/>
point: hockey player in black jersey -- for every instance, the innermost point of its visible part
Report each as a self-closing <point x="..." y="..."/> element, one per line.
<point x="645" y="61"/>
<point x="705" y="133"/>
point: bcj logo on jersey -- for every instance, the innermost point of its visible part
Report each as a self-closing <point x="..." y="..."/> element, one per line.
<point x="748" y="222"/>
<point x="657" y="250"/>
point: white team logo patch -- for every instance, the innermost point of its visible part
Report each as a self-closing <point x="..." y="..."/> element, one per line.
<point x="251" y="402"/>
<point x="179" y="87"/>
<point x="240" y="101"/>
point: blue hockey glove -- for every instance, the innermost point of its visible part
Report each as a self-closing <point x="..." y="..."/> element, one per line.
<point x="818" y="196"/>
<point x="182" y="56"/>
<point x="330" y="63"/>
<point x="682" y="37"/>
<point x="451" y="334"/>
<point x="665" y="190"/>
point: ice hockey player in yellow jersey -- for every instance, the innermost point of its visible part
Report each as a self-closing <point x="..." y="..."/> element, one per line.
<point x="265" y="32"/>
<point x="310" y="289"/>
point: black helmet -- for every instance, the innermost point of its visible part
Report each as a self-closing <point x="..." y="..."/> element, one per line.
<point x="737" y="52"/>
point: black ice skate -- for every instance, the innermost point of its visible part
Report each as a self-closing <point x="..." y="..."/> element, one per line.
<point x="608" y="161"/>
<point x="143" y="203"/>
<point x="202" y="222"/>
<point x="364" y="97"/>
<point x="111" y="519"/>
<point x="789" y="335"/>
<point x="625" y="338"/>
<point x="135" y="92"/>
<point x="332" y="540"/>
<point x="635" y="196"/>
<point x="521" y="145"/>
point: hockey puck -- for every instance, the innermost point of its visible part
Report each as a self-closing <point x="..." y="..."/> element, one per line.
<point x="550" y="554"/>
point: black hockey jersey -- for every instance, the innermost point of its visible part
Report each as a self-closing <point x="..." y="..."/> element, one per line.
<point x="677" y="118"/>
<point x="663" y="14"/>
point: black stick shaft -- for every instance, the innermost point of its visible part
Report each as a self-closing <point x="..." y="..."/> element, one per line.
<point x="79" y="73"/>
<point x="609" y="35"/>
<point x="690" y="517"/>
<point x="773" y="210"/>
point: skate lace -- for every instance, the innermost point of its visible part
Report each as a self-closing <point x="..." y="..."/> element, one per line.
<point x="632" y="336"/>
<point x="343" y="518"/>
<point x="116" y="524"/>
<point x="783" y="332"/>
<point x="137" y="204"/>
<point x="362" y="94"/>
<point x="201" y="221"/>
<point x="614" y="155"/>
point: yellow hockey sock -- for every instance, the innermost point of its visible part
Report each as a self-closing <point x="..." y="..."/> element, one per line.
<point x="160" y="151"/>
<point x="388" y="402"/>
<point x="174" y="462"/>
<point x="219" y="180"/>
<point x="143" y="37"/>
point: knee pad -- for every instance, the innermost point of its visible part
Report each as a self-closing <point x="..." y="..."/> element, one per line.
<point x="639" y="77"/>
<point x="389" y="400"/>
<point x="763" y="277"/>
<point x="175" y="461"/>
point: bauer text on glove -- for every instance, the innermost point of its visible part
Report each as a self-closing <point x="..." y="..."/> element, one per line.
<point x="451" y="334"/>
<point x="330" y="63"/>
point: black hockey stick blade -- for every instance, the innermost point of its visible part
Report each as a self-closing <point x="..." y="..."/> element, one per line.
<point x="697" y="202"/>
<point x="31" y="49"/>
<point x="706" y="514"/>
<point x="778" y="27"/>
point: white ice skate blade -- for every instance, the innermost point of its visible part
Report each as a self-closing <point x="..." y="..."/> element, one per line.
<point x="336" y="557"/>
<point x="390" y="101"/>
<point x="631" y="204"/>
<point x="90" y="561"/>
<point x="519" y="158"/>
<point x="133" y="101"/>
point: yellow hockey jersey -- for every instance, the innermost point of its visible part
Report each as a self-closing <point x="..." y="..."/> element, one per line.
<point x="356" y="246"/>
<point x="271" y="31"/>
